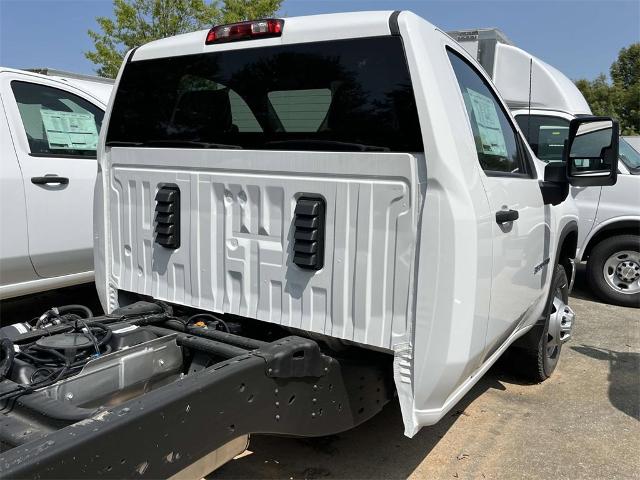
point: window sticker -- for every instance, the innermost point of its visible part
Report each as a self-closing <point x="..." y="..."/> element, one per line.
<point x="489" y="129"/>
<point x="70" y="130"/>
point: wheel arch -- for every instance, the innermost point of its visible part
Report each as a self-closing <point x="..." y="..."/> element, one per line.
<point x="619" y="226"/>
<point x="565" y="253"/>
<point x="567" y="248"/>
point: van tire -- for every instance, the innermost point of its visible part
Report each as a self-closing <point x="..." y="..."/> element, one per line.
<point x="600" y="259"/>
<point x="538" y="363"/>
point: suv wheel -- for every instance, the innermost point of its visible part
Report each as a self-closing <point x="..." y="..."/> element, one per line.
<point x="613" y="270"/>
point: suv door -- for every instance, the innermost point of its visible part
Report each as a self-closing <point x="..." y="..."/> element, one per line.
<point x="520" y="233"/>
<point x="55" y="132"/>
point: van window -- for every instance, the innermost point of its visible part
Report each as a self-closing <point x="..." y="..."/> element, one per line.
<point x="546" y="135"/>
<point x="56" y="122"/>
<point x="629" y="156"/>
<point x="342" y="95"/>
<point x="495" y="137"/>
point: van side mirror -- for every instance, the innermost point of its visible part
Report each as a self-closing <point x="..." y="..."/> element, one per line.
<point x="591" y="151"/>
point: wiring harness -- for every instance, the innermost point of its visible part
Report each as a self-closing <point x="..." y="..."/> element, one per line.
<point x="53" y="359"/>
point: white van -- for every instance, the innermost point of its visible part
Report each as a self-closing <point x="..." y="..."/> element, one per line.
<point x="49" y="128"/>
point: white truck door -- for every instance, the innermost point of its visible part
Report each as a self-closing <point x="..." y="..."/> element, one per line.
<point x="55" y="133"/>
<point x="14" y="246"/>
<point x="520" y="233"/>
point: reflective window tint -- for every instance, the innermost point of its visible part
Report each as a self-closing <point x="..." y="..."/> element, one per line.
<point x="495" y="138"/>
<point x="343" y="95"/>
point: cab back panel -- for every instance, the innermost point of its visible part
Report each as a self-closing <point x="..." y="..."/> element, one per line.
<point x="236" y="230"/>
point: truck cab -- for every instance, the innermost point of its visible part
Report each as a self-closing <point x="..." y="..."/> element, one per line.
<point x="321" y="213"/>
<point x="544" y="101"/>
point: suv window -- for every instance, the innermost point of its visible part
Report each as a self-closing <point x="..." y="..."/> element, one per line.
<point x="57" y="123"/>
<point x="340" y="95"/>
<point x="546" y="135"/>
<point x="495" y="137"/>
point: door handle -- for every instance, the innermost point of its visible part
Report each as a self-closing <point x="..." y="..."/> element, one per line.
<point x="504" y="216"/>
<point x="49" y="179"/>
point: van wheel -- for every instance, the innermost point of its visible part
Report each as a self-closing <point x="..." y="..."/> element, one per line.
<point x="613" y="270"/>
<point x="538" y="363"/>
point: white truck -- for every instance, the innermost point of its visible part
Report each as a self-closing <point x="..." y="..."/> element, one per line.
<point x="544" y="101"/>
<point x="49" y="127"/>
<point x="320" y="213"/>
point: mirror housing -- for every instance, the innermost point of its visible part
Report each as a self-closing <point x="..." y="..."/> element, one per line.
<point x="591" y="152"/>
<point x="555" y="186"/>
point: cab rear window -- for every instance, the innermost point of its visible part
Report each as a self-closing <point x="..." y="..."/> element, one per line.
<point x="345" y="95"/>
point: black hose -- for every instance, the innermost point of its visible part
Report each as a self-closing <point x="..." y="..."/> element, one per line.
<point x="108" y="333"/>
<point x="176" y="324"/>
<point x="206" y="345"/>
<point x="75" y="308"/>
<point x="62" y="314"/>
<point x="224" y="337"/>
<point x="7" y="354"/>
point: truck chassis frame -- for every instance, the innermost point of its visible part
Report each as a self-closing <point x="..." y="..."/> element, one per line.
<point x="286" y="387"/>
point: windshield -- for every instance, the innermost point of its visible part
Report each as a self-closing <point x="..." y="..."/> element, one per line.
<point x="629" y="156"/>
<point x="345" y="95"/>
<point x="546" y="136"/>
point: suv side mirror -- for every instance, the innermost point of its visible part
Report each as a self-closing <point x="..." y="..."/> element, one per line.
<point x="591" y="151"/>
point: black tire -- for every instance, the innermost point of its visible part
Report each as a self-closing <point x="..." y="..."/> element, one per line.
<point x="538" y="362"/>
<point x="596" y="264"/>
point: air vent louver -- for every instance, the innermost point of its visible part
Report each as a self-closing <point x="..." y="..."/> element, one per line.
<point x="308" y="243"/>
<point x="168" y="216"/>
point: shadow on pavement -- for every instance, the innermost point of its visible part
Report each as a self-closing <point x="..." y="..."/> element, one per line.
<point x="379" y="444"/>
<point x="624" y="371"/>
<point x="22" y="309"/>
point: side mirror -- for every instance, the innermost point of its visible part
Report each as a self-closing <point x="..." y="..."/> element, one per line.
<point x="555" y="186"/>
<point x="591" y="151"/>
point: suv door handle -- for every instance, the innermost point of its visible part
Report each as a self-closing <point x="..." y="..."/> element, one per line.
<point x="48" y="179"/>
<point x="504" y="216"/>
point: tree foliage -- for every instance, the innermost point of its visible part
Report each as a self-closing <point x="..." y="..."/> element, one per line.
<point x="620" y="98"/>
<point x="136" y="22"/>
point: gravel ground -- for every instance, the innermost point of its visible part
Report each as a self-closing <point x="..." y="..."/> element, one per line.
<point x="582" y="423"/>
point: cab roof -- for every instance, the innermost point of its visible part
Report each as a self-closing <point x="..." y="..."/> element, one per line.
<point x="99" y="90"/>
<point x="312" y="28"/>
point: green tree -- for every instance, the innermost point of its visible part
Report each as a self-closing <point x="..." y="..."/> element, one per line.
<point x="620" y="98"/>
<point x="625" y="74"/>
<point x="136" y="22"/>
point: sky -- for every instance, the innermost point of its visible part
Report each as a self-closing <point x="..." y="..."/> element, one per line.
<point x="580" y="38"/>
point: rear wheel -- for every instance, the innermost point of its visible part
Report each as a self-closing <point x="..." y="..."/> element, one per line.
<point x="539" y="362"/>
<point x="613" y="270"/>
